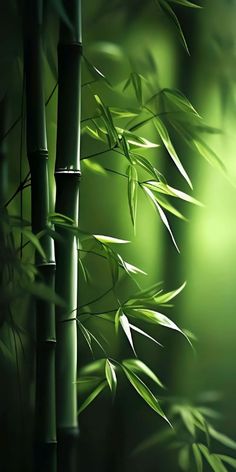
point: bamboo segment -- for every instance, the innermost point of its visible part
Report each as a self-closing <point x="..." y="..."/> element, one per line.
<point x="45" y="411"/>
<point x="67" y="174"/>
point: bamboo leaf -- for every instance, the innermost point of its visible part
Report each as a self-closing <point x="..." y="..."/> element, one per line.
<point x="155" y="317"/>
<point x="111" y="376"/>
<point x="137" y="366"/>
<point x="228" y="460"/>
<point x="132" y="192"/>
<point x="86" y="335"/>
<point x="43" y="292"/>
<point x="171" y="14"/>
<point x="146" y="165"/>
<point x="124" y="322"/>
<point x="163" y="298"/>
<point x="109" y="239"/>
<point x="96" y="367"/>
<point x="161" y="213"/>
<point x="179" y="100"/>
<point x="144" y="392"/>
<point x="186" y="3"/>
<point x="96" y="73"/>
<point x="123" y="112"/>
<point x="184" y="458"/>
<point x="34" y="240"/>
<point x="173" y="192"/>
<point x="208" y="154"/>
<point x="130" y="268"/>
<point x="137" y="84"/>
<point x="170" y="208"/>
<point x="212" y="459"/>
<point x="222" y="438"/>
<point x="143" y="333"/>
<point x="197" y="457"/>
<point x="94" y="167"/>
<point x="92" y="396"/>
<point x="164" y="135"/>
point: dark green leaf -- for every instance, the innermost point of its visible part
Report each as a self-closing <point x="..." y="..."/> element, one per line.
<point x="144" y="392"/>
<point x="92" y="396"/>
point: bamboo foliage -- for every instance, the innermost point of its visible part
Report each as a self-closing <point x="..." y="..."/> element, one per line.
<point x="67" y="173"/>
<point x="45" y="418"/>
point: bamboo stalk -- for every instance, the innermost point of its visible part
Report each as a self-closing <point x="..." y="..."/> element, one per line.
<point x="45" y="414"/>
<point x="67" y="174"/>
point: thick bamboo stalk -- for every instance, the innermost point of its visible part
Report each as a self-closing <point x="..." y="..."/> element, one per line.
<point x="67" y="174"/>
<point x="45" y="405"/>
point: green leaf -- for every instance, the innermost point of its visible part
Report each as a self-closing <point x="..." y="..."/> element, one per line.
<point x="222" y="438"/>
<point x="135" y="141"/>
<point x="137" y="366"/>
<point x="96" y="367"/>
<point x="171" y="14"/>
<point x="132" y="192"/>
<point x="164" y="135"/>
<point x="155" y="317"/>
<point x="108" y="121"/>
<point x="146" y="165"/>
<point x="34" y="241"/>
<point x="144" y="392"/>
<point x="197" y="457"/>
<point x="179" y="100"/>
<point x="94" y="167"/>
<point x="208" y="154"/>
<point x="163" y="298"/>
<point x="86" y="335"/>
<point x="111" y="376"/>
<point x="186" y="3"/>
<point x="143" y="333"/>
<point x="43" y="292"/>
<point x="123" y="112"/>
<point x="161" y="213"/>
<point x="130" y="268"/>
<point x="170" y="208"/>
<point x="92" y="396"/>
<point x="161" y="187"/>
<point x="124" y="322"/>
<point x="228" y="460"/>
<point x="184" y="458"/>
<point x="135" y="80"/>
<point x="96" y="73"/>
<point x="109" y="239"/>
<point x="212" y="459"/>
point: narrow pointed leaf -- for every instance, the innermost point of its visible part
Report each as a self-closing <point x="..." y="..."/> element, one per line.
<point x="143" y="333"/>
<point x="109" y="239"/>
<point x="212" y="459"/>
<point x="197" y="458"/>
<point x="164" y="135"/>
<point x="161" y="213"/>
<point x="228" y="460"/>
<point x="137" y="366"/>
<point x="132" y="192"/>
<point x="124" y="322"/>
<point x="171" y="14"/>
<point x="111" y="376"/>
<point x="92" y="396"/>
<point x="144" y="392"/>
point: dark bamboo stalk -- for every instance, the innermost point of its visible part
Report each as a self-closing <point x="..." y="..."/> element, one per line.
<point x="45" y="405"/>
<point x="67" y="174"/>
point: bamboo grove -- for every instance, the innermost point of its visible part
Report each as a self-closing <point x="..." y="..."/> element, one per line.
<point x="46" y="255"/>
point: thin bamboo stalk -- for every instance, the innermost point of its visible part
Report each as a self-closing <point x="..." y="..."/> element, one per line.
<point x="67" y="174"/>
<point x="45" y="410"/>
